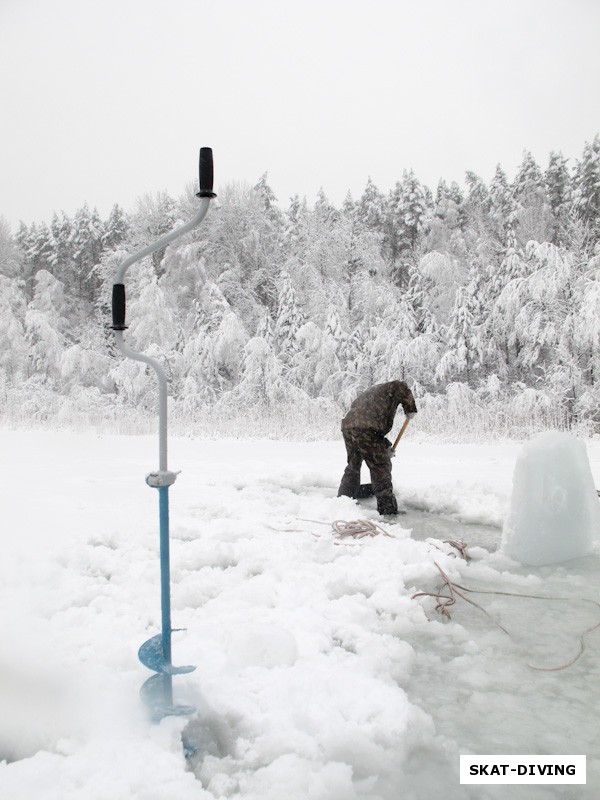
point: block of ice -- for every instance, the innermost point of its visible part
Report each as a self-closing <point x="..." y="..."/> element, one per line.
<point x="554" y="511"/>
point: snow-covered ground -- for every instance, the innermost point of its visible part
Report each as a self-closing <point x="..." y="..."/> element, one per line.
<point x="318" y="677"/>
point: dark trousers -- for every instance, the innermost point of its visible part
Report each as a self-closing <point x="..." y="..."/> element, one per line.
<point x="372" y="448"/>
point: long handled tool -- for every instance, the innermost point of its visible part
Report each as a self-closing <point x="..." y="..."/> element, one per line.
<point x="400" y="433"/>
<point x="155" y="654"/>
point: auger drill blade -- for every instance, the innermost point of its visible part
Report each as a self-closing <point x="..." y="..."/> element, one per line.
<point x="152" y="656"/>
<point x="156" y="693"/>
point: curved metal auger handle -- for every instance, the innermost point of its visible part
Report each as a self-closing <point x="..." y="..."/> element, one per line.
<point x="157" y="691"/>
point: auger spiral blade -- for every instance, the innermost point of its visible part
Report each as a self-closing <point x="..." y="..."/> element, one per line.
<point x="156" y="694"/>
<point x="152" y="656"/>
<point x="157" y="691"/>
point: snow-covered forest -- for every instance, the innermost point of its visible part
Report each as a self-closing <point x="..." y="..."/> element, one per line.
<point x="269" y="319"/>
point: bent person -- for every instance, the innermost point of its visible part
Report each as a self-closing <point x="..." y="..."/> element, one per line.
<point x="364" y="429"/>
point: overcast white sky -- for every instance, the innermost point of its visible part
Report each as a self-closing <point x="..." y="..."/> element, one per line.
<point x="104" y="100"/>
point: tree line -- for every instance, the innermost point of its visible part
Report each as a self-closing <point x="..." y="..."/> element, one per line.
<point x="484" y="298"/>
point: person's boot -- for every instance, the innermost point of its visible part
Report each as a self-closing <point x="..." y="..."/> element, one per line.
<point x="365" y="490"/>
<point x="387" y="504"/>
<point x="349" y="483"/>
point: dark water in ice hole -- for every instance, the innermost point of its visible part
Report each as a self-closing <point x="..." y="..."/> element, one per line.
<point x="428" y="525"/>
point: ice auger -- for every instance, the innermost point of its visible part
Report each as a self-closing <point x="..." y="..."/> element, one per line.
<point x="157" y="691"/>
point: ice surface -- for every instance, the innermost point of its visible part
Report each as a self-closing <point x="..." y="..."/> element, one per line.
<point x="318" y="677"/>
<point x="554" y="513"/>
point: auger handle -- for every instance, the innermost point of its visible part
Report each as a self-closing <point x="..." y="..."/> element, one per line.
<point x="400" y="434"/>
<point x="205" y="170"/>
<point x="118" y="307"/>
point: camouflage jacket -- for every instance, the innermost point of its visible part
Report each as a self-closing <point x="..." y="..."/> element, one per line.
<point x="376" y="408"/>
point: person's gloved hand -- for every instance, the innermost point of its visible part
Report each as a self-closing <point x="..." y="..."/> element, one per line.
<point x="391" y="453"/>
<point x="410" y="414"/>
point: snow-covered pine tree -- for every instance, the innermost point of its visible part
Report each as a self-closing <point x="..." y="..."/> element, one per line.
<point x="268" y="199"/>
<point x="314" y="360"/>
<point x="586" y="340"/>
<point x="261" y="253"/>
<point x="152" y="330"/>
<point x="10" y="257"/>
<point x="289" y="318"/>
<point x="480" y="237"/>
<point x="351" y="357"/>
<point x="388" y="336"/>
<point x="529" y="178"/>
<point x="211" y="360"/>
<point x="534" y="214"/>
<point x="244" y="248"/>
<point x="559" y="188"/>
<point x="441" y="275"/>
<point x="262" y="386"/>
<point x="444" y="222"/>
<point x="333" y="328"/>
<point x="25" y="273"/>
<point x="184" y="282"/>
<point x="229" y="341"/>
<point x="513" y="264"/>
<point x="417" y="298"/>
<point x="478" y="199"/>
<point x="361" y="251"/>
<point x="371" y="208"/>
<point x="46" y="328"/>
<point x="35" y="244"/>
<point x="349" y="207"/>
<point x="324" y="210"/>
<point x="586" y="187"/>
<point x="150" y="318"/>
<point x="13" y="348"/>
<point x="503" y="345"/>
<point x="86" y="241"/>
<point x="62" y="251"/>
<point x="463" y="357"/>
<point x="88" y="363"/>
<point x="502" y="203"/>
<point x="322" y="267"/>
<point x="294" y="234"/>
<point x="116" y="228"/>
<point x="41" y="248"/>
<point x="155" y="215"/>
<point x="264" y="329"/>
<point x="532" y="310"/>
<point x="493" y="278"/>
<point x="408" y="205"/>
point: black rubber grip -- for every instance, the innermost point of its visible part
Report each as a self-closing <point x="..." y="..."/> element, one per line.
<point x="206" y="173"/>
<point x="118" y="307"/>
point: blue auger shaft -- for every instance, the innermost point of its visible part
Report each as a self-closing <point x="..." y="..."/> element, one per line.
<point x="165" y="587"/>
